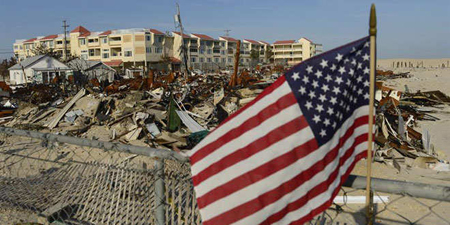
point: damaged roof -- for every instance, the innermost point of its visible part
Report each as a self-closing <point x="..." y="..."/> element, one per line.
<point x="27" y="62"/>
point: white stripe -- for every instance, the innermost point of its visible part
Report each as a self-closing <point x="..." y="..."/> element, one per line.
<point x="302" y="190"/>
<point x="325" y="196"/>
<point x="277" y="149"/>
<point x="252" y="191"/>
<point x="279" y="92"/>
<point x="282" y="117"/>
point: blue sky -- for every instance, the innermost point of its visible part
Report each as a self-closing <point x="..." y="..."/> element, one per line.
<point x="406" y="28"/>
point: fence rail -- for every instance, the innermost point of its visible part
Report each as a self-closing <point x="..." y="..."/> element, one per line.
<point x="50" y="178"/>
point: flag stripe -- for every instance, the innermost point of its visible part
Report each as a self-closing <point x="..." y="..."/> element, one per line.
<point x="276" y="195"/>
<point x="333" y="188"/>
<point x="284" y="116"/>
<point x="249" y="193"/>
<point x="322" y="187"/>
<point x="271" y="110"/>
<point x="270" y="95"/>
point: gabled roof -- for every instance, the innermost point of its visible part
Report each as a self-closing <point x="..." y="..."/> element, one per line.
<point x="252" y="41"/>
<point x="184" y="35"/>
<point x="307" y="39"/>
<point x="85" y="34"/>
<point x="203" y="37"/>
<point x="49" y="37"/>
<point x="108" y="32"/>
<point x="80" y="29"/>
<point x="263" y="42"/>
<point x="284" y="42"/>
<point x="229" y="39"/>
<point x="27" y="62"/>
<point x="155" y="31"/>
<point x="30" y="40"/>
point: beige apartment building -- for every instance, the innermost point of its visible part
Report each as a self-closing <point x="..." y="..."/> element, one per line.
<point x="291" y="52"/>
<point x="149" y="48"/>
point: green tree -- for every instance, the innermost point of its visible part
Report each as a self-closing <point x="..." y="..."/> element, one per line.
<point x="44" y="50"/>
<point x="269" y="54"/>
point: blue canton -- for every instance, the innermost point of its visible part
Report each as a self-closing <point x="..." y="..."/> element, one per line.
<point x="329" y="87"/>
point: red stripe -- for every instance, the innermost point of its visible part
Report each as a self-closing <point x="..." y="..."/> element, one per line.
<point x="319" y="189"/>
<point x="269" y="197"/>
<point x="328" y="203"/>
<point x="259" y="173"/>
<point x="271" y="110"/>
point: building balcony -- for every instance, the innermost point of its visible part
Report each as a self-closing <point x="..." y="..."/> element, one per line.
<point x="114" y="42"/>
<point x="93" y="44"/>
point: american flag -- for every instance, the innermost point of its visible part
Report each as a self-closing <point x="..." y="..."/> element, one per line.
<point x="282" y="158"/>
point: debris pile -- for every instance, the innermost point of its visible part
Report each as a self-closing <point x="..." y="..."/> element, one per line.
<point x="389" y="74"/>
<point x="159" y="110"/>
<point x="397" y="139"/>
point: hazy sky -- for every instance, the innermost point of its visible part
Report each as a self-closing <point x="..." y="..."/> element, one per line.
<point x="406" y="28"/>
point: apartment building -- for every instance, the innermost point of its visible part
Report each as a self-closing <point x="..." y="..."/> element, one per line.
<point x="230" y="50"/>
<point x="291" y="52"/>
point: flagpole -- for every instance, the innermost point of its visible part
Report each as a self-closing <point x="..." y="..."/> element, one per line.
<point x="372" y="33"/>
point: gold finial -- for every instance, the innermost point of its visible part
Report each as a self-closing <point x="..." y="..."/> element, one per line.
<point x="373" y="21"/>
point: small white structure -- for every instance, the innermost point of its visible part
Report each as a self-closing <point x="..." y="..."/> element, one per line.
<point x="37" y="69"/>
<point x="92" y="69"/>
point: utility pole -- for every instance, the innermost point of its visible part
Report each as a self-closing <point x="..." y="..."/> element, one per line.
<point x="183" y="46"/>
<point x="227" y="33"/>
<point x="65" y="26"/>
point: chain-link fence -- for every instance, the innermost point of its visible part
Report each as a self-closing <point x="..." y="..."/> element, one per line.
<point x="53" y="179"/>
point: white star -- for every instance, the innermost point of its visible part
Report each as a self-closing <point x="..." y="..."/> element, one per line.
<point x="347" y="108"/>
<point x="346" y="60"/>
<point x="339" y="80"/>
<point x="302" y="90"/>
<point x="355" y="100"/>
<point x="366" y="57"/>
<point x="309" y="69"/>
<point x="336" y="90"/>
<point x="339" y="57"/>
<point x="359" y="79"/>
<point x="325" y="88"/>
<point x="358" y="52"/>
<point x="328" y="78"/>
<point x="354" y="62"/>
<point x="366" y="45"/>
<point x="312" y="94"/>
<point x="366" y="96"/>
<point x="354" y="87"/>
<point x="319" y="108"/>
<point x="308" y="105"/>
<point x="366" y="70"/>
<point x="340" y="116"/>
<point x="359" y="65"/>
<point x="295" y="76"/>
<point x="323" y="133"/>
<point x="353" y="50"/>
<point x="342" y="70"/>
<point x="345" y="92"/>
<point x="316" y="118"/>
<point x="333" y="67"/>
<point x="334" y="125"/>
<point x="326" y="122"/>
<point x="315" y="84"/>
<point x="366" y="83"/>
<point x="318" y="73"/>
<point x="324" y="63"/>
<point x="351" y="72"/>
<point x="322" y="98"/>
<point x="333" y="100"/>
<point x="330" y="111"/>
<point x="348" y="83"/>
<point x="305" y="79"/>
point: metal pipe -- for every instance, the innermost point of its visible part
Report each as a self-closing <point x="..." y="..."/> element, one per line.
<point x="160" y="193"/>
<point x="418" y="190"/>
<point x="145" y="151"/>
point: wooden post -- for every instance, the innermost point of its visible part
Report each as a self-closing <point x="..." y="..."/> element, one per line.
<point x="233" y="80"/>
<point x="373" y="34"/>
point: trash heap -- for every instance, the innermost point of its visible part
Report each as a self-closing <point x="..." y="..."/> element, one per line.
<point x="397" y="140"/>
<point x="159" y="110"/>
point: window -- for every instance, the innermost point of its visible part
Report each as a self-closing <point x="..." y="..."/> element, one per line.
<point x="202" y="59"/>
<point x="193" y="59"/>
<point x="20" y="47"/>
<point x="106" y="50"/>
<point x="209" y="60"/>
<point x="82" y="41"/>
<point x="105" y="55"/>
<point x="159" y="39"/>
<point x="16" y="47"/>
<point x="216" y="60"/>
<point x="223" y="60"/>
<point x="148" y="49"/>
<point x="105" y="41"/>
<point x="193" y="50"/>
<point x="59" y="42"/>
<point x="91" y="52"/>
<point x="222" y="52"/>
<point x="148" y="38"/>
<point x="202" y="51"/>
<point x="158" y="50"/>
<point x="222" y="44"/>
<point x="229" y="60"/>
<point x="128" y="53"/>
<point x="115" y="38"/>
<point x="209" y="51"/>
<point x="50" y="44"/>
<point x="95" y="40"/>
